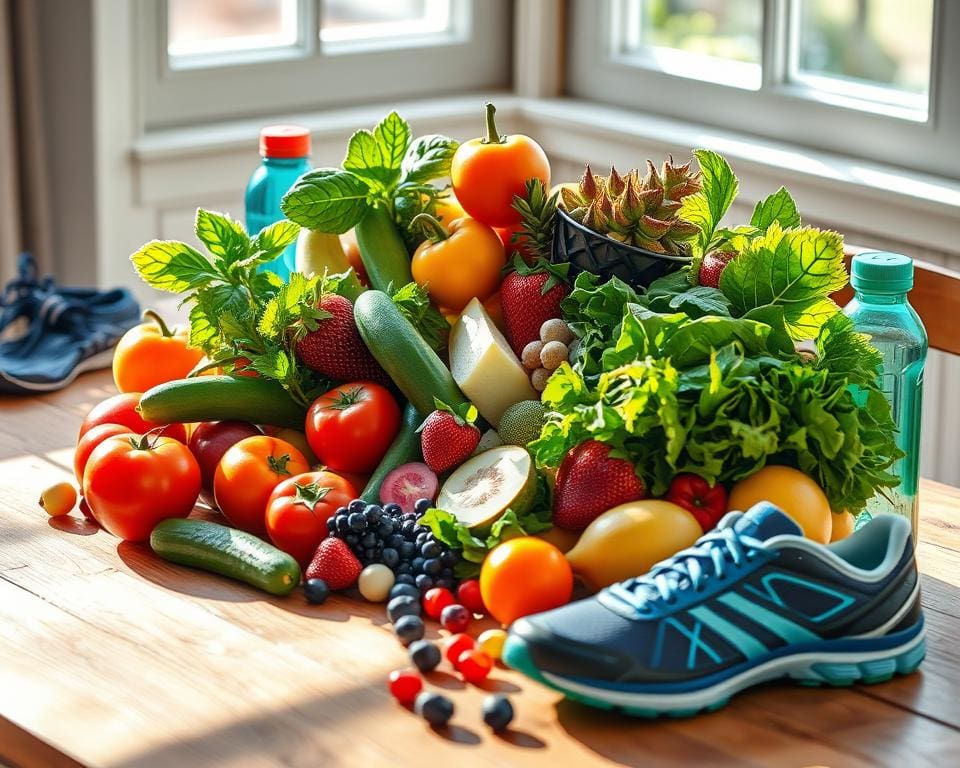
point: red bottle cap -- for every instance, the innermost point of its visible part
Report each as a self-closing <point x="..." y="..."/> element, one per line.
<point x="284" y="141"/>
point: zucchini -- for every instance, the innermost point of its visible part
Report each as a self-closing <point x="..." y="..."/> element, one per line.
<point x="214" y="398"/>
<point x="404" y="355"/>
<point x="382" y="250"/>
<point x="404" y="449"/>
<point x="236" y="554"/>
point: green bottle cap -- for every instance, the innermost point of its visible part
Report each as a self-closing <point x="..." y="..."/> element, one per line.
<point x="882" y="272"/>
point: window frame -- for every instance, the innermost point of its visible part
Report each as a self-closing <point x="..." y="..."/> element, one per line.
<point x="782" y="109"/>
<point x="476" y="55"/>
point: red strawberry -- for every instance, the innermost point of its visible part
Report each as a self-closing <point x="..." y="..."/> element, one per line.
<point x="331" y="344"/>
<point x="712" y="267"/>
<point x="589" y="483"/>
<point x="335" y="564"/>
<point x="447" y="437"/>
<point x="531" y="295"/>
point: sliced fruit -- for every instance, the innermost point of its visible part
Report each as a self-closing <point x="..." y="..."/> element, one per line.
<point x="488" y="484"/>
<point x="408" y="483"/>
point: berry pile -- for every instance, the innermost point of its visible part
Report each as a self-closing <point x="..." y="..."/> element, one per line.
<point x="385" y="534"/>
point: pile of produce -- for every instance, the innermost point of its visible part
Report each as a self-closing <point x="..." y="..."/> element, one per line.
<point x="452" y="412"/>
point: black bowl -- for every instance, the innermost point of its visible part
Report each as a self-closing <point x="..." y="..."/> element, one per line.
<point x="589" y="251"/>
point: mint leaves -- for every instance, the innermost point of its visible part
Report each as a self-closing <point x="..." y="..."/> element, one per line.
<point x="327" y="200"/>
<point x="375" y="156"/>
<point x="168" y="265"/>
<point x="778" y="207"/>
<point x="708" y="206"/>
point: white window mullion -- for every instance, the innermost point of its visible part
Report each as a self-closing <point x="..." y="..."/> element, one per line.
<point x="777" y="43"/>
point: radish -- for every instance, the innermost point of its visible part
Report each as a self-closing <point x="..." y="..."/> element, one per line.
<point x="407" y="484"/>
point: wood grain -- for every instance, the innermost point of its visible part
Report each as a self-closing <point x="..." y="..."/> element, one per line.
<point x="112" y="657"/>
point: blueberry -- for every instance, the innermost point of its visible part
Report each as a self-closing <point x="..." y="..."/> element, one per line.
<point x="432" y="566"/>
<point x="393" y="509"/>
<point x="351" y="539"/>
<point x="435" y="708"/>
<point x="369" y="539"/>
<point x="417" y="564"/>
<point x="343" y="524"/>
<point x="449" y="558"/>
<point x="404" y="569"/>
<point x="422" y="538"/>
<point x="409" y="529"/>
<point x="445" y="583"/>
<point x="446" y="573"/>
<point x="497" y="711"/>
<point x="408" y="629"/>
<point x="431" y="549"/>
<point x="390" y="558"/>
<point x="407" y="550"/>
<point x="394" y="541"/>
<point x="342" y="511"/>
<point x="386" y="528"/>
<point x="401" y="588"/>
<point x="331" y="525"/>
<point x="422" y="506"/>
<point x="404" y="605"/>
<point x="370" y="555"/>
<point x="357" y="505"/>
<point x="357" y="521"/>
<point x="423" y="581"/>
<point x="372" y="513"/>
<point x="316" y="591"/>
<point x="424" y="655"/>
<point x="406" y="578"/>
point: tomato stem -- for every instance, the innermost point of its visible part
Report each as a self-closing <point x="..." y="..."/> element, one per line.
<point x="431" y="227"/>
<point x="151" y="314"/>
<point x="493" y="137"/>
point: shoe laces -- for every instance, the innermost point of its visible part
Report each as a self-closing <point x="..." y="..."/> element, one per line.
<point x="712" y="557"/>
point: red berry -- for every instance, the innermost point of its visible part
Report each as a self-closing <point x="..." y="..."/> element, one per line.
<point x="474" y="665"/>
<point x="457" y="644"/>
<point x="455" y="618"/>
<point x="468" y="594"/>
<point x="404" y="685"/>
<point x="436" y="600"/>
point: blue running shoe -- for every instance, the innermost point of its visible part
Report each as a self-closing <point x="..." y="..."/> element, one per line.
<point x="751" y="601"/>
<point x="51" y="333"/>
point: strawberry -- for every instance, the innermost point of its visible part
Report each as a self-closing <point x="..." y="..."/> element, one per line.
<point x="531" y="295"/>
<point x="589" y="482"/>
<point x="328" y="342"/>
<point x="712" y="267"/>
<point x="448" y="437"/>
<point x="335" y="564"/>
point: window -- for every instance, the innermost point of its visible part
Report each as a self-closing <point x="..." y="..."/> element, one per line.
<point x="221" y="59"/>
<point x="870" y="78"/>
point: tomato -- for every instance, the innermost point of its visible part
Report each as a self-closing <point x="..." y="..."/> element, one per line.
<point x="794" y="492"/>
<point x="209" y="441"/>
<point x="131" y="483"/>
<point x="247" y="475"/>
<point x="707" y="503"/>
<point x="122" y="409"/>
<point x="151" y="354"/>
<point x="448" y="208"/>
<point x="91" y="440"/>
<point x="352" y="251"/>
<point x="515" y="243"/>
<point x="540" y="567"/>
<point x="299" y="508"/>
<point x="842" y="526"/>
<point x="350" y="427"/>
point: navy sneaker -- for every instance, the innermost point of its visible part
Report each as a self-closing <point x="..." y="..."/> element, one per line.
<point x="49" y="334"/>
<point x="751" y="601"/>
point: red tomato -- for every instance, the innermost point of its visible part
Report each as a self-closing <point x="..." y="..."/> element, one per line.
<point x="299" y="508"/>
<point x="351" y="426"/>
<point x="122" y="409"/>
<point x="521" y="245"/>
<point x="707" y="503"/>
<point x="91" y="440"/>
<point x="132" y="483"/>
<point x="468" y="593"/>
<point x="247" y="475"/>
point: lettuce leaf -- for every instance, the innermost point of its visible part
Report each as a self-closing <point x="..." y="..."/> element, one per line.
<point x="778" y="207"/>
<point x="708" y="206"/>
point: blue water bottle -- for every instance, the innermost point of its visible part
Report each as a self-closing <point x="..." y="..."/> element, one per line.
<point x="285" y="150"/>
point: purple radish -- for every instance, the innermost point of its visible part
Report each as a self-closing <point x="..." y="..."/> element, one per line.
<point x="407" y="484"/>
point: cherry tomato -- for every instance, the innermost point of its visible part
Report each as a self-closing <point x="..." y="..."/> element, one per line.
<point x="59" y="499"/>
<point x="404" y="685"/>
<point x="122" y="409"/>
<point x="350" y="427"/>
<point x="457" y="644"/>
<point x="474" y="665"/>
<point x="352" y="251"/>
<point x="540" y="567"/>
<point x="133" y="482"/>
<point x="707" y="503"/>
<point x="299" y="508"/>
<point x="247" y="475"/>
<point x="151" y="354"/>
<point x="91" y="440"/>
<point x="435" y="600"/>
<point x="468" y="594"/>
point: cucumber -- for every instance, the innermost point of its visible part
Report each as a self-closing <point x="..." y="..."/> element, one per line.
<point x="236" y="554"/>
<point x="214" y="398"/>
<point x="404" y="449"/>
<point x="382" y="250"/>
<point x="404" y="355"/>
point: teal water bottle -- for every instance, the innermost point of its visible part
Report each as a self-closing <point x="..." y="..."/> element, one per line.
<point x="880" y="308"/>
<point x="285" y="150"/>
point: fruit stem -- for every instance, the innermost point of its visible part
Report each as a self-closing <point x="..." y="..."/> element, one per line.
<point x="431" y="227"/>
<point x="492" y="137"/>
<point x="151" y="314"/>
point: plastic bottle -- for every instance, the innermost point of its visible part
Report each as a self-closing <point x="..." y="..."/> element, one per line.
<point x="880" y="308"/>
<point x="285" y="150"/>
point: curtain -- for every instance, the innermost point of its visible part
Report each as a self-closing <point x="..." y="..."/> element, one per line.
<point x="24" y="223"/>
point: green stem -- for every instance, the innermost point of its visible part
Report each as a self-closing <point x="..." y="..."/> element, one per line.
<point x="431" y="227"/>
<point x="493" y="137"/>
<point x="150" y="314"/>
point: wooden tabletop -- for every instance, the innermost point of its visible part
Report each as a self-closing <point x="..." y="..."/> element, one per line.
<point x="112" y="657"/>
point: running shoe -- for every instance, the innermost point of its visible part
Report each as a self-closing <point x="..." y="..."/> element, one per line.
<point x="751" y="601"/>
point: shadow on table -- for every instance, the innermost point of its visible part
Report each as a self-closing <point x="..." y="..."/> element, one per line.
<point x="78" y="526"/>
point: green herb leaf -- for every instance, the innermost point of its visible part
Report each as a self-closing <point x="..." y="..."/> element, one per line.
<point x="707" y="207"/>
<point x="327" y="200"/>
<point x="271" y="241"/>
<point x="673" y="293"/>
<point x="225" y="238"/>
<point x="847" y="353"/>
<point x="173" y="266"/>
<point x="778" y="207"/>
<point x="376" y="155"/>
<point x="428" y="158"/>
<point x="413" y="301"/>
<point x="393" y="137"/>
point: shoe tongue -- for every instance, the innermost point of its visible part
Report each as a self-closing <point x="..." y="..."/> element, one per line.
<point x="764" y="521"/>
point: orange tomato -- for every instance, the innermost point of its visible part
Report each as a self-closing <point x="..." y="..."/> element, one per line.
<point x="151" y="354"/>
<point x="487" y="173"/>
<point x="352" y="251"/>
<point x="458" y="263"/>
<point x="523" y="576"/>
<point x="843" y="523"/>
<point x="448" y="208"/>
<point x="794" y="492"/>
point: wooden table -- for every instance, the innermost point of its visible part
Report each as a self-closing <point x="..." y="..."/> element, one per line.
<point x="110" y="656"/>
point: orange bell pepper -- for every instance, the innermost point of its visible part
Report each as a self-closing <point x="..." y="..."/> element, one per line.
<point x="151" y="354"/>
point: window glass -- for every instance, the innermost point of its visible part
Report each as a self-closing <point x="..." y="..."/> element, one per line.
<point x="199" y="29"/>
<point x="350" y="21"/>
